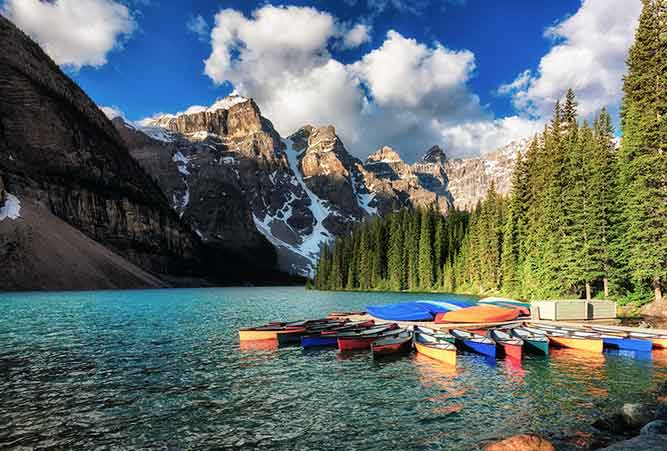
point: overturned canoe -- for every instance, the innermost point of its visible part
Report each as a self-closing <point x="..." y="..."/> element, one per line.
<point x="479" y="314"/>
<point x="430" y="346"/>
<point x="504" y="301"/>
<point x="415" y="311"/>
<point x="406" y="311"/>
<point x="475" y="343"/>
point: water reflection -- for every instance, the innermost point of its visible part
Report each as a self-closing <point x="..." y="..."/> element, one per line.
<point x="258" y="345"/>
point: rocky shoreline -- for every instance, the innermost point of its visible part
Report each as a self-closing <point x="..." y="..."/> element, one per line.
<point x="633" y="426"/>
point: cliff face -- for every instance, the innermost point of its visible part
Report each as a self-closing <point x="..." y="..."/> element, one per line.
<point x="470" y="178"/>
<point x="200" y="181"/>
<point x="59" y="151"/>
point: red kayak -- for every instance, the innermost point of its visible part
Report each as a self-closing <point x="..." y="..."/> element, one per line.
<point x="510" y="346"/>
<point x="354" y="341"/>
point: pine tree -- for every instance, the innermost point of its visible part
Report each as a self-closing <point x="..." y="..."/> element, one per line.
<point x="425" y="251"/>
<point x="364" y="273"/>
<point x="395" y="262"/>
<point x="439" y="246"/>
<point x="643" y="155"/>
<point x="412" y="250"/>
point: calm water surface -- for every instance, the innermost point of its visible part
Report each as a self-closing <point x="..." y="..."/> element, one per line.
<point x="163" y="369"/>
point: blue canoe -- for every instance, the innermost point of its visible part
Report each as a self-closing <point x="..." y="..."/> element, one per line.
<point x="627" y="344"/>
<point x="414" y="311"/>
<point x="312" y="341"/>
<point x="475" y="343"/>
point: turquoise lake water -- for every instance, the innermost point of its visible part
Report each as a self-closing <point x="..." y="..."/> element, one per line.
<point x="163" y="369"/>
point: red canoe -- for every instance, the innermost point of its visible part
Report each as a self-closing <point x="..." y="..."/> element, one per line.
<point x="509" y="346"/>
<point x="354" y="341"/>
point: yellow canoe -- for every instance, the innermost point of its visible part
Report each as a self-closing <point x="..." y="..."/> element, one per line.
<point x="440" y="353"/>
<point x="584" y="344"/>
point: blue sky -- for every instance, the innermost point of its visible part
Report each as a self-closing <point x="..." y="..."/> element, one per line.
<point x="480" y="73"/>
<point x="163" y="60"/>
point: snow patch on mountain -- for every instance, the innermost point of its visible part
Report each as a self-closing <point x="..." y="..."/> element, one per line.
<point x="158" y="133"/>
<point x="310" y="245"/>
<point x="181" y="162"/>
<point x="11" y="209"/>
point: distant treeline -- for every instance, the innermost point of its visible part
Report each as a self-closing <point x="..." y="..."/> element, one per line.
<point x="585" y="216"/>
<point x="405" y="250"/>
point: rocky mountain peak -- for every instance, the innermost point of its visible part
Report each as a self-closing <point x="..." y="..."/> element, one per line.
<point x="384" y="154"/>
<point x="232" y="115"/>
<point x="435" y="155"/>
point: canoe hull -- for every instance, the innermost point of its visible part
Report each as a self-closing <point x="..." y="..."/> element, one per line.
<point x="319" y="341"/>
<point x="391" y="349"/>
<point x="478" y="314"/>
<point x="537" y="346"/>
<point x="510" y="350"/>
<point x="628" y="344"/>
<point x="480" y="348"/>
<point x="582" y="344"/>
<point x="356" y="343"/>
<point x="443" y="355"/>
<point x="258" y="334"/>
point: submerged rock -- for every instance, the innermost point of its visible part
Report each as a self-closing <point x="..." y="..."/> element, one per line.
<point x="631" y="417"/>
<point x="522" y="442"/>
<point x="655" y="427"/>
<point x="637" y="415"/>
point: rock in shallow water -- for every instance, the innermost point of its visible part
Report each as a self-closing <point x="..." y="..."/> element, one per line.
<point x="655" y="427"/>
<point x="637" y="415"/>
<point x="522" y="442"/>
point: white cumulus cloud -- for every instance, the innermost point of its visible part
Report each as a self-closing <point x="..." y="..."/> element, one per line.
<point x="356" y="36"/>
<point x="404" y="93"/>
<point x="197" y="25"/>
<point x="588" y="55"/>
<point x="74" y="33"/>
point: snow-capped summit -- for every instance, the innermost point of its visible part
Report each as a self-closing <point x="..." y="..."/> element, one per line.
<point x="227" y="102"/>
<point x="222" y="104"/>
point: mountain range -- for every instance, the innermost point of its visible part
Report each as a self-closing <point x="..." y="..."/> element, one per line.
<point x="229" y="174"/>
<point x="213" y="194"/>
